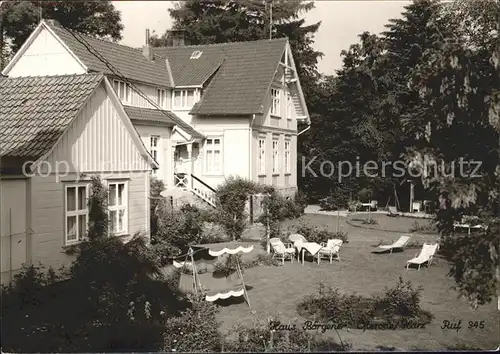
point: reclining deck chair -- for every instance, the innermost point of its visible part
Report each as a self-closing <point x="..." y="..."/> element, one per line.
<point x="426" y="254"/>
<point x="399" y="244"/>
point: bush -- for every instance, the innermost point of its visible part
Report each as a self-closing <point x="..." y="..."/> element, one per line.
<point x="278" y="208"/>
<point x="264" y="337"/>
<point x="262" y="259"/>
<point x="369" y="221"/>
<point x="228" y="266"/>
<point x="318" y="235"/>
<point x="429" y="228"/>
<point x="195" y="330"/>
<point x="156" y="202"/>
<point x="353" y="311"/>
<point x="231" y="197"/>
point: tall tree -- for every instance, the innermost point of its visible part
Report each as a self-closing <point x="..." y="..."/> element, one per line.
<point x="19" y="18"/>
<point x="458" y="83"/>
<point x="223" y="21"/>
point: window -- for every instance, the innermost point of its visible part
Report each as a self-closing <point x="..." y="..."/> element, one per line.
<point x="213" y="148"/>
<point x="196" y="54"/>
<point x="289" y="107"/>
<point x="262" y="156"/>
<point x="287" y="156"/>
<point x="275" y="102"/>
<point x="161" y="98"/>
<point x="76" y="214"/>
<point x="183" y="99"/>
<point x="117" y="207"/>
<point x="154" y="142"/>
<point x="275" y="156"/>
<point x="122" y="90"/>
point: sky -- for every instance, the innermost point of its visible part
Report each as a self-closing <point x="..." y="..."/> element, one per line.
<point x="341" y="23"/>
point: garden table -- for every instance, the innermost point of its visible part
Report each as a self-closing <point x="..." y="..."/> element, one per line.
<point x="312" y="247"/>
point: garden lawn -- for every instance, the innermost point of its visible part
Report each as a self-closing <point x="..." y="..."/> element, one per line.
<point x="279" y="289"/>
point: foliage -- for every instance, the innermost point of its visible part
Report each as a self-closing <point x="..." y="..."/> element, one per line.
<point x="317" y="234"/>
<point x="369" y="221"/>
<point x="354" y="311"/>
<point x="97" y="206"/>
<point x="262" y="259"/>
<point x="263" y="336"/>
<point x="354" y="205"/>
<point x="228" y="266"/>
<point x="157" y="202"/>
<point x="334" y="202"/>
<point x="429" y="228"/>
<point x="232" y="196"/>
<point x="195" y="330"/>
<point x="278" y="208"/>
<point x="18" y="19"/>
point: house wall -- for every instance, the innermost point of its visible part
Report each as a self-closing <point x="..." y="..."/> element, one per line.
<point x="47" y="213"/>
<point x="96" y="141"/>
<point x="14" y="226"/>
<point x="46" y="56"/>
<point x="141" y="95"/>
<point x="235" y="134"/>
<point x="165" y="150"/>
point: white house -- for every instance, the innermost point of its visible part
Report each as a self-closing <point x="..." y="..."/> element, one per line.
<point x="56" y="132"/>
<point x="203" y="112"/>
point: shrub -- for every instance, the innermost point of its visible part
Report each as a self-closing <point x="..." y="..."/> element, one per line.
<point x="212" y="233"/>
<point x="263" y="337"/>
<point x="195" y="330"/>
<point x="262" y="259"/>
<point x="369" y="221"/>
<point x="429" y="228"/>
<point x="278" y="208"/>
<point x="156" y="202"/>
<point x="354" y="205"/>
<point x="353" y="311"/>
<point x="228" y="266"/>
<point x="98" y="206"/>
<point x="318" y="235"/>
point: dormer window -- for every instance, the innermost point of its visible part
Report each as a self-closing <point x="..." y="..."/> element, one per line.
<point x="183" y="99"/>
<point x="196" y="54"/>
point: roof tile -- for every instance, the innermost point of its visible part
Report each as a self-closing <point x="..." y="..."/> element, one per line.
<point x="35" y="111"/>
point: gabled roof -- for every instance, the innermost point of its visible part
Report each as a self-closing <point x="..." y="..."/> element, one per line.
<point x="35" y="111"/>
<point x="130" y="62"/>
<point x="243" y="73"/>
<point x="138" y="114"/>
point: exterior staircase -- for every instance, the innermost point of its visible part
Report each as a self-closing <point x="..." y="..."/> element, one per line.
<point x="196" y="186"/>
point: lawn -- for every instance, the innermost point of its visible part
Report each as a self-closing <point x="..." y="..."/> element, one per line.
<point x="278" y="289"/>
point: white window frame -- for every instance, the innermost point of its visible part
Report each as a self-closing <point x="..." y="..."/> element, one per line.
<point x="154" y="150"/>
<point x="209" y="168"/>
<point x="75" y="213"/>
<point x="161" y="98"/>
<point x="262" y="156"/>
<point x="184" y="95"/>
<point x="287" y="156"/>
<point x="276" y="156"/>
<point x="117" y="85"/>
<point x="118" y="207"/>
<point x="275" y="102"/>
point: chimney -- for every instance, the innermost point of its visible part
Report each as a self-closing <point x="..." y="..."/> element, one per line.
<point x="146" y="49"/>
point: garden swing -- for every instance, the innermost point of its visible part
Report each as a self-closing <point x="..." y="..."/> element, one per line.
<point x="206" y="283"/>
<point x="397" y="205"/>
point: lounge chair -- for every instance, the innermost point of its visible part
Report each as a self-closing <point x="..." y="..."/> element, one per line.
<point x="425" y="256"/>
<point x="399" y="244"/>
<point x="281" y="251"/>
<point x="392" y="211"/>
<point x="330" y="249"/>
